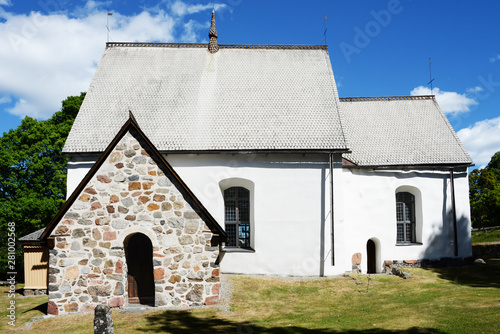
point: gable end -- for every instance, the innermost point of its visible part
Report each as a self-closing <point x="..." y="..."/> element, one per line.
<point x="132" y="127"/>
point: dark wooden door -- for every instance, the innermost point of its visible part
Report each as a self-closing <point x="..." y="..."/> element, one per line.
<point x="141" y="289"/>
<point x="371" y="257"/>
<point x="133" y="292"/>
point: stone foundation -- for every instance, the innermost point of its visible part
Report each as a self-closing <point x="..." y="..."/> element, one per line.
<point x="443" y="262"/>
<point x="130" y="194"/>
<point x="486" y="250"/>
<point x="34" y="292"/>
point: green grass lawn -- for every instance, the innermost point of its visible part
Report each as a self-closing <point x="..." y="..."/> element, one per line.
<point x="485" y="236"/>
<point x="446" y="300"/>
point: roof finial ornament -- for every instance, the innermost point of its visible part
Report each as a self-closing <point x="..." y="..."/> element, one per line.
<point x="213" y="47"/>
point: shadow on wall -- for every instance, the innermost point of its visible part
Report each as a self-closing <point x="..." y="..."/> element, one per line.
<point x="441" y="246"/>
<point x="442" y="242"/>
<point x="460" y="271"/>
<point x="177" y="322"/>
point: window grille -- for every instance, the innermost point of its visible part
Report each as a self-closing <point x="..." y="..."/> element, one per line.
<point x="405" y="215"/>
<point x="237" y="216"/>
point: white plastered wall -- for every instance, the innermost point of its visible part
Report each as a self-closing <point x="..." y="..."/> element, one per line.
<point x="290" y="207"/>
<point x="78" y="167"/>
<point x="289" y="196"/>
<point x="290" y="201"/>
<point x="369" y="213"/>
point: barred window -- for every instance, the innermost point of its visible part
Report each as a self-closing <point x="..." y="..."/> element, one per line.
<point x="405" y="216"/>
<point x="237" y="217"/>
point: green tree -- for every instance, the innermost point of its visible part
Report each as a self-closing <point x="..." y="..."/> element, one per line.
<point x="494" y="166"/>
<point x="484" y="191"/>
<point x="33" y="173"/>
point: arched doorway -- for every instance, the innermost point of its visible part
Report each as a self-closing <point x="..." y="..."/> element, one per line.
<point x="140" y="280"/>
<point x="371" y="256"/>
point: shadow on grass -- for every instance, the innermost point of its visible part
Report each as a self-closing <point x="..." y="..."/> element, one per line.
<point x="42" y="308"/>
<point x="18" y="291"/>
<point x="177" y="322"/>
<point x="475" y="275"/>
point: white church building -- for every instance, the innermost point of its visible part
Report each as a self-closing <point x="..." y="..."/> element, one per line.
<point x="284" y="176"/>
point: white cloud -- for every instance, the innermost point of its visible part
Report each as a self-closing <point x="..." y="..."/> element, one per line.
<point x="5" y="99"/>
<point x="180" y="8"/>
<point x="191" y="31"/>
<point x="46" y="58"/>
<point x="5" y="3"/>
<point x="49" y="55"/>
<point x="474" y="90"/>
<point x="494" y="58"/>
<point x="143" y="27"/>
<point x="482" y="140"/>
<point x="90" y="7"/>
<point x="450" y="102"/>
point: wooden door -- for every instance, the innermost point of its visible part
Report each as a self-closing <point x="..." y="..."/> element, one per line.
<point x="140" y="280"/>
<point x="133" y="292"/>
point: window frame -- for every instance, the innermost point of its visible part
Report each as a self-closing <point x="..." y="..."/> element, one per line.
<point x="407" y="200"/>
<point x="241" y="198"/>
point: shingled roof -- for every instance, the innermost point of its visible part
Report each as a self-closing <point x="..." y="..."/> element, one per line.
<point x="258" y="98"/>
<point x="401" y="130"/>
<point x="187" y="99"/>
<point x="34" y="236"/>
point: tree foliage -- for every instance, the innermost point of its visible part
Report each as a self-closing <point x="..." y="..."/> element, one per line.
<point x="484" y="192"/>
<point x="494" y="166"/>
<point x="33" y="172"/>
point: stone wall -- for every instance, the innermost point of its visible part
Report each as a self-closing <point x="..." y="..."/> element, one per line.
<point x="34" y="292"/>
<point x="130" y="194"/>
<point x="487" y="250"/>
<point x="425" y="263"/>
<point x="390" y="264"/>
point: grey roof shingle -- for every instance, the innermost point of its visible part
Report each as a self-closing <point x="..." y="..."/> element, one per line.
<point x="188" y="99"/>
<point x="34" y="236"/>
<point x="400" y="131"/>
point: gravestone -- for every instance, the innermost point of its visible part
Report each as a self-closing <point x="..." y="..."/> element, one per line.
<point x="103" y="322"/>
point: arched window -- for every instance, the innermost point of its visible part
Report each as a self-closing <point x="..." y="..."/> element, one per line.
<point x="237" y="217"/>
<point x="405" y="214"/>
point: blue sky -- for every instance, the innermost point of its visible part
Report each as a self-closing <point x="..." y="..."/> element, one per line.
<point x="50" y="49"/>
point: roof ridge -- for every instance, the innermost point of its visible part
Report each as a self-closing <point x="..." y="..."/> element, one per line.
<point x="386" y="98"/>
<point x="221" y="46"/>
